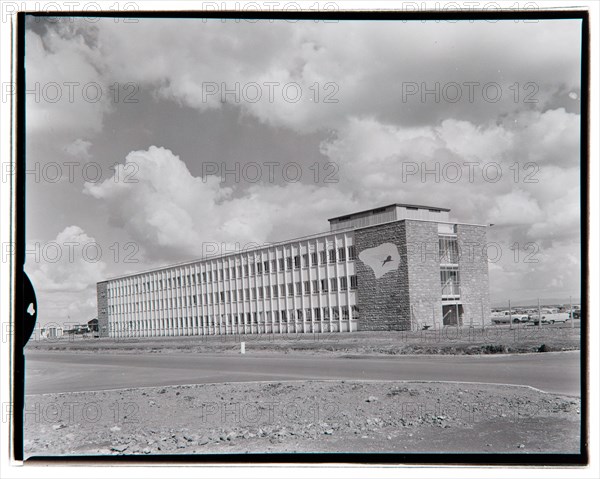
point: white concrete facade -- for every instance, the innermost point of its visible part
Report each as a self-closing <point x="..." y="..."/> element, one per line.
<point x="303" y="285"/>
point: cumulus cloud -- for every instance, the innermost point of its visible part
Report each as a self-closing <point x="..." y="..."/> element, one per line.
<point x="64" y="272"/>
<point x="79" y="149"/>
<point x="70" y="262"/>
<point x="67" y="96"/>
<point x="527" y="271"/>
<point x="308" y="76"/>
<point x="173" y="214"/>
<point x="488" y="166"/>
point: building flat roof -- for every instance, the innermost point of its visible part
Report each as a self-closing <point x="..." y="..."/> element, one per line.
<point x="405" y="205"/>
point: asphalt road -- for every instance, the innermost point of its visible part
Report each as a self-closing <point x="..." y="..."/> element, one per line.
<point x="54" y="372"/>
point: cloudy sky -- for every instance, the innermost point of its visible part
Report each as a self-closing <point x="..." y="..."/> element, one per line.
<point x="228" y="132"/>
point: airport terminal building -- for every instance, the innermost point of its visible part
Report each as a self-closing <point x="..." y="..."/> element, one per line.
<point x="398" y="267"/>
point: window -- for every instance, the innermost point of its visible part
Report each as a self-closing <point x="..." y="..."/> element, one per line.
<point x="326" y="313"/>
<point x="273" y="265"/>
<point x="261" y="293"/>
<point x="247" y="294"/>
<point x="240" y="271"/>
<point x="317" y="314"/>
<point x="252" y="269"/>
<point x="229" y="296"/>
<point x="314" y="258"/>
<point x="245" y="270"/>
<point x="290" y="287"/>
<point x="252" y="293"/>
<point x="281" y="264"/>
<point x="315" y="286"/>
<point x="332" y="256"/>
<point x="227" y="273"/>
<point x="448" y="250"/>
<point x="323" y="257"/>
<point x="450" y="281"/>
<point x="308" y="314"/>
<point x="307" y="287"/>
<point x="282" y="290"/>
<point x="345" y="314"/>
<point x="258" y="268"/>
<point x="299" y="314"/>
<point x="343" y="283"/>
<point x="353" y="282"/>
<point x="235" y="294"/>
<point x="233" y="272"/>
<point x="334" y="284"/>
<point x="341" y="254"/>
<point x="324" y="286"/>
<point x="298" y="287"/>
<point x="275" y="291"/>
<point x="267" y="292"/>
<point x="241" y="294"/>
<point x="288" y="261"/>
<point x="283" y="316"/>
<point x="305" y="260"/>
<point x="297" y="262"/>
<point x="266" y="266"/>
<point x="222" y="296"/>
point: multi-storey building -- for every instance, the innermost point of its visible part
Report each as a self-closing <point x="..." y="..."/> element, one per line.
<point x="398" y="267"/>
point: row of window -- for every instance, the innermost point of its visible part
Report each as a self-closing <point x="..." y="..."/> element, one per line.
<point x="245" y="270"/>
<point x="261" y="292"/>
<point x="270" y="317"/>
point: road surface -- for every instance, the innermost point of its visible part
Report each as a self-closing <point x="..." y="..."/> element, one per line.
<point x="54" y="372"/>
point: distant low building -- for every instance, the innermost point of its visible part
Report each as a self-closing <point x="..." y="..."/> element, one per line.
<point x="51" y="332"/>
<point x="93" y="325"/>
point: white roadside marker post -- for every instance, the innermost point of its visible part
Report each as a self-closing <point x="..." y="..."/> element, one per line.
<point x="571" y="312"/>
<point x="243" y="347"/>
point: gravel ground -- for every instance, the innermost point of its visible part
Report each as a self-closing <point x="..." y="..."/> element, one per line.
<point x="449" y="340"/>
<point x="308" y="416"/>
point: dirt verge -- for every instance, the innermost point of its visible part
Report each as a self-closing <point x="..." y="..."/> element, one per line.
<point x="310" y="416"/>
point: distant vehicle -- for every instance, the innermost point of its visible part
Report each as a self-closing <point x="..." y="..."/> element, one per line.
<point x="577" y="314"/>
<point x="550" y="318"/>
<point x="505" y="319"/>
<point x="520" y="318"/>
